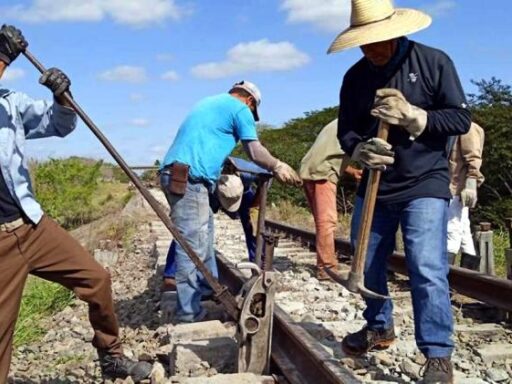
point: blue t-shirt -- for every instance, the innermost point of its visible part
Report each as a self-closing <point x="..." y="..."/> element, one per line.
<point x="209" y="134"/>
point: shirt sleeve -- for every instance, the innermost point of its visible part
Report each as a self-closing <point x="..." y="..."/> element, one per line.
<point x="245" y="126"/>
<point x="43" y="119"/>
<point x="347" y="134"/>
<point x="450" y="115"/>
<point x="471" y="146"/>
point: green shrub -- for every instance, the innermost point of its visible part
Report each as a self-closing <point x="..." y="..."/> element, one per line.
<point x="65" y="189"/>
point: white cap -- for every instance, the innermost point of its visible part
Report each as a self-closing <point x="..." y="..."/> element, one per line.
<point x="254" y="91"/>
<point x="230" y="190"/>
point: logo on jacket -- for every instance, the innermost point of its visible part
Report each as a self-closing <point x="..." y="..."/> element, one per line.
<point x="412" y="78"/>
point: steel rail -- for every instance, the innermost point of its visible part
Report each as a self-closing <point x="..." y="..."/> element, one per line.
<point x="295" y="353"/>
<point x="488" y="289"/>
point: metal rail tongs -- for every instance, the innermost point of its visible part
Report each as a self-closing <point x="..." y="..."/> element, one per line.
<point x="252" y="308"/>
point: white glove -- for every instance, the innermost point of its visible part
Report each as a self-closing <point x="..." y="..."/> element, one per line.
<point x="468" y="196"/>
<point x="391" y="107"/>
<point x="286" y="174"/>
<point x="374" y="154"/>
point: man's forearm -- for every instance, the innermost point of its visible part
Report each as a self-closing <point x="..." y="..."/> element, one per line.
<point x="3" y="66"/>
<point x="259" y="154"/>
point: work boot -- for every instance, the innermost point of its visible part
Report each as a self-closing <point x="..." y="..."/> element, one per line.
<point x="321" y="275"/>
<point x="169" y="284"/>
<point x="365" y="340"/>
<point x="120" y="367"/>
<point x="438" y="370"/>
<point x="451" y="258"/>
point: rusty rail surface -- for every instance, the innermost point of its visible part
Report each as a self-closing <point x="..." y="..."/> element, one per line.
<point x="488" y="289"/>
<point x="295" y="353"/>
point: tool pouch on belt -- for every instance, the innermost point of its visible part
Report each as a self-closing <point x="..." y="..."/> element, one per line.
<point x="179" y="178"/>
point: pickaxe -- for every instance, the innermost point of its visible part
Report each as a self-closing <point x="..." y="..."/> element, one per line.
<point x="354" y="279"/>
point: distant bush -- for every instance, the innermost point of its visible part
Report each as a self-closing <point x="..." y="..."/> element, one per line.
<point x="65" y="188"/>
<point x="290" y="144"/>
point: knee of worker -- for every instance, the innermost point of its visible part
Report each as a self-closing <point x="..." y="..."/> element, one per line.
<point x="96" y="284"/>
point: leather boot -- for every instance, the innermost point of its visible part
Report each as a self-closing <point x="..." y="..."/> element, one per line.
<point x="365" y="340"/>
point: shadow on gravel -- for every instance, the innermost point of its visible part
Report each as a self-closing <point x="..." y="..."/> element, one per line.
<point x="142" y="310"/>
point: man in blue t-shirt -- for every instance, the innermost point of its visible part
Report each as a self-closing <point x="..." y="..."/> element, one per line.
<point x="193" y="162"/>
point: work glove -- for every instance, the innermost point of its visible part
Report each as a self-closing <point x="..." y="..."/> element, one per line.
<point x="391" y="107"/>
<point x="286" y="174"/>
<point x="468" y="196"/>
<point x="12" y="43"/>
<point x="56" y="81"/>
<point x="374" y="154"/>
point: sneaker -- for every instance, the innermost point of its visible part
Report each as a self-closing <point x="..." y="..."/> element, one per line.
<point x="365" y="340"/>
<point x="438" y="370"/>
<point x="113" y="367"/>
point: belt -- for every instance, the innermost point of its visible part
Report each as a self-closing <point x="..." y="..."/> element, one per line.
<point x="12" y="225"/>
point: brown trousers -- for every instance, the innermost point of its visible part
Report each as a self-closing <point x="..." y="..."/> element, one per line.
<point x="46" y="250"/>
<point x="321" y="196"/>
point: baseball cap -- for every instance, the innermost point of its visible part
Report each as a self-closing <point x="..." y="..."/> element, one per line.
<point x="255" y="93"/>
<point x="230" y="190"/>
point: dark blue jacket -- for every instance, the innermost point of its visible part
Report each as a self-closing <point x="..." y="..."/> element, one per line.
<point x="428" y="79"/>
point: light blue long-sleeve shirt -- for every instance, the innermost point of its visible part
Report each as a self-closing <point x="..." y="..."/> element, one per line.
<point x="23" y="118"/>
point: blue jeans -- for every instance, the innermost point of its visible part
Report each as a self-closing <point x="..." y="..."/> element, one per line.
<point x="423" y="222"/>
<point x="192" y="215"/>
<point x="245" y="220"/>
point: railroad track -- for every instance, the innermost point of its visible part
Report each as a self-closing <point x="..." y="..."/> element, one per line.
<point x="312" y="317"/>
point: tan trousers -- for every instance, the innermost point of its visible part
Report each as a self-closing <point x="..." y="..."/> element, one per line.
<point x="46" y="250"/>
<point x="321" y="196"/>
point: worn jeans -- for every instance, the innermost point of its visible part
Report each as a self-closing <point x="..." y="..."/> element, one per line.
<point x="423" y="222"/>
<point x="321" y="196"/>
<point x="192" y="216"/>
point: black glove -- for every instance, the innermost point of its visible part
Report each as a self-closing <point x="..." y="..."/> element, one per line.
<point x="55" y="80"/>
<point x="12" y="43"/>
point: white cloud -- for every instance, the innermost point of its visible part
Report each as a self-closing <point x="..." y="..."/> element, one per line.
<point x="170" y="76"/>
<point x="126" y="74"/>
<point x="326" y="15"/>
<point x="255" y="56"/>
<point x="439" y="8"/>
<point x="164" y="57"/>
<point x="12" y="74"/>
<point x="136" y="97"/>
<point x="139" y="122"/>
<point x="131" y="12"/>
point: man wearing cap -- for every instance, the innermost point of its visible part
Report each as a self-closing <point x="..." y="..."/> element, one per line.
<point x="320" y="170"/>
<point x="30" y="241"/>
<point x="416" y="89"/>
<point x="190" y="170"/>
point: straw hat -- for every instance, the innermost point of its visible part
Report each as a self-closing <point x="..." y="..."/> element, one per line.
<point x="372" y="21"/>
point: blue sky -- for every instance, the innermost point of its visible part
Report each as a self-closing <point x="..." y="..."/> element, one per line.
<point x="138" y="66"/>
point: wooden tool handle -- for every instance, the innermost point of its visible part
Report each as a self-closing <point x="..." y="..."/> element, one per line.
<point x="370" y="197"/>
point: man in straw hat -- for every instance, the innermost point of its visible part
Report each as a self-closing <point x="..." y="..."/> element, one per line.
<point x="416" y="89"/>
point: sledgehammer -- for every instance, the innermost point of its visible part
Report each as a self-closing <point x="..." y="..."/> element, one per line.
<point x="354" y="280"/>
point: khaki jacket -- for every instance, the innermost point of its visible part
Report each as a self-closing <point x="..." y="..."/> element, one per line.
<point x="466" y="159"/>
<point x="325" y="157"/>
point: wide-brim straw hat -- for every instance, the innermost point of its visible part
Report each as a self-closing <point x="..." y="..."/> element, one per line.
<point x="372" y="21"/>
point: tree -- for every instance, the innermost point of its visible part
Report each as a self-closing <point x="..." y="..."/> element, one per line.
<point x="492" y="109"/>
